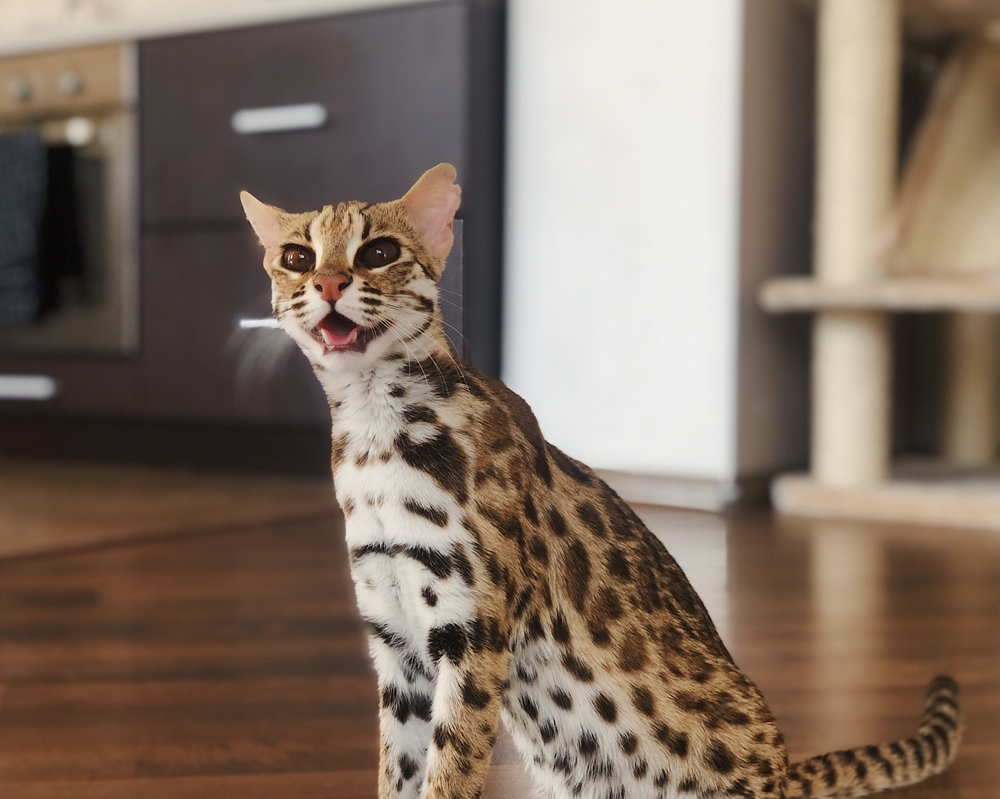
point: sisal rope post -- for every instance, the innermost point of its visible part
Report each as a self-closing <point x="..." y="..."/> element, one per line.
<point x="858" y="94"/>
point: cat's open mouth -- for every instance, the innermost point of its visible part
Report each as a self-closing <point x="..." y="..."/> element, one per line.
<point x="338" y="333"/>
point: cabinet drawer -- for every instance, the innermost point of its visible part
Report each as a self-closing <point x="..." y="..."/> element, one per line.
<point x="393" y="85"/>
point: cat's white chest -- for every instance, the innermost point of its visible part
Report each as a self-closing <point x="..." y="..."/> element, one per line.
<point x="404" y="532"/>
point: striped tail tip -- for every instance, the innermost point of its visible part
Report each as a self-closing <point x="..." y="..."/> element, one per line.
<point x="870" y="769"/>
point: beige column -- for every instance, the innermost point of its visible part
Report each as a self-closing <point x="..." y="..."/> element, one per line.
<point x="858" y="95"/>
<point x="969" y="430"/>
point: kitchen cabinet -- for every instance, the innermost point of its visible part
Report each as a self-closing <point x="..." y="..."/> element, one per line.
<point x="402" y="89"/>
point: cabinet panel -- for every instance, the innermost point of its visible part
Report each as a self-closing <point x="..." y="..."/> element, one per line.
<point x="197" y="363"/>
<point x="393" y="84"/>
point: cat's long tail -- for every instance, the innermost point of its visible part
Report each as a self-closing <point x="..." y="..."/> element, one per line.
<point x="868" y="769"/>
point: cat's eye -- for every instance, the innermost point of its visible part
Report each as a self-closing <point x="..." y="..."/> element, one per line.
<point x="298" y="259"/>
<point x="377" y="252"/>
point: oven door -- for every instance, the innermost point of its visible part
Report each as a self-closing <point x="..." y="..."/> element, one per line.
<point x="95" y="309"/>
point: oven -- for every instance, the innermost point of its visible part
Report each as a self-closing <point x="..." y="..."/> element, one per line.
<point x="80" y="294"/>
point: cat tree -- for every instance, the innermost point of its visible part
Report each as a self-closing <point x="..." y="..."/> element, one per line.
<point x="933" y="245"/>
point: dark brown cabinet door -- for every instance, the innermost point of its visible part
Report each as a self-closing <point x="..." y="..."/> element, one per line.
<point x="403" y="89"/>
<point x="393" y="84"/>
<point x="198" y="364"/>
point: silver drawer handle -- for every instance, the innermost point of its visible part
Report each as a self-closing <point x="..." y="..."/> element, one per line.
<point x="27" y="387"/>
<point x="250" y="324"/>
<point x="278" y="118"/>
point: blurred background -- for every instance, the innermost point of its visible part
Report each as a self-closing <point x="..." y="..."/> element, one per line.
<point x="721" y="247"/>
<point x="629" y="177"/>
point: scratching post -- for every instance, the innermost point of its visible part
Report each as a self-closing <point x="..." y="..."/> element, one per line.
<point x="970" y="424"/>
<point x="858" y="93"/>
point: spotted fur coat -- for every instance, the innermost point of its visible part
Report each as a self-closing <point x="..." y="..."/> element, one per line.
<point x="501" y="578"/>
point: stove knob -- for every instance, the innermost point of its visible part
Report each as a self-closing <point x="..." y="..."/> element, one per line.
<point x="19" y="89"/>
<point x="70" y="82"/>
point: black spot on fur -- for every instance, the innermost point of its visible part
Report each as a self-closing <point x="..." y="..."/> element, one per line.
<point x="591" y="518"/>
<point x="605" y="708"/>
<point x="548" y="731"/>
<point x="560" y="630"/>
<point x="557" y="523"/>
<point x="642" y="699"/>
<point x="435" y="562"/>
<point x="421" y="706"/>
<point x="577" y="668"/>
<point x="530" y="512"/>
<point x="617" y="564"/>
<point x="397" y="391"/>
<point x="561" y="763"/>
<point x="388" y="637"/>
<point x="661" y="780"/>
<point x="688" y="786"/>
<point x="576" y="574"/>
<point x="529" y="707"/>
<point x="562" y="699"/>
<point x="441" y="737"/>
<point x="407" y="767"/>
<point x="473" y="695"/>
<point x="398" y="703"/>
<point x="608" y="604"/>
<point x="628" y="743"/>
<point x="419" y="413"/>
<point x="568" y="466"/>
<point x="448" y="641"/>
<point x="588" y="744"/>
<point x="639" y="769"/>
<point x="676" y="742"/>
<point x="632" y="652"/>
<point x="429" y="596"/>
<point x="534" y="629"/>
<point x="539" y="551"/>
<point x="599" y="634"/>
<point x="461" y="561"/>
<point x="875" y="755"/>
<point x="720" y="759"/>
<point x="508" y="525"/>
<point x="716" y="710"/>
<point x="522" y="601"/>
<point x="441" y="458"/>
<point x="443" y="376"/>
<point x="433" y="515"/>
<point x="599" y="770"/>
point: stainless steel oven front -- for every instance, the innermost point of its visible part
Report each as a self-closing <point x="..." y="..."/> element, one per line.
<point x="81" y="105"/>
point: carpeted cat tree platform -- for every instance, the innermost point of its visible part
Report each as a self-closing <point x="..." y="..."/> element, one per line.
<point x="930" y="245"/>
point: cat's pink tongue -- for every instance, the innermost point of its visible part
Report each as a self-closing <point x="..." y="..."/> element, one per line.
<point x="334" y="340"/>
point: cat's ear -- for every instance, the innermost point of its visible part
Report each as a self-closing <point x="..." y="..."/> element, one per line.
<point x="265" y="219"/>
<point x="431" y="205"/>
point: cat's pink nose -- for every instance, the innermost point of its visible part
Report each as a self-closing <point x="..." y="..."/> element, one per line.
<point x="331" y="287"/>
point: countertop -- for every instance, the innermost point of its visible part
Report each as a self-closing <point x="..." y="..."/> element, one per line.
<point x="133" y="21"/>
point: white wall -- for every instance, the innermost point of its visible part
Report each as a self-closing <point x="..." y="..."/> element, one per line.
<point x="622" y="229"/>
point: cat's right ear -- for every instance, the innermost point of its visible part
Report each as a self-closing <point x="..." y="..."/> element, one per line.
<point x="265" y="219"/>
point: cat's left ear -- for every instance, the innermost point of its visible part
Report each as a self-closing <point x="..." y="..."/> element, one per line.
<point x="265" y="219"/>
<point x="431" y="205"/>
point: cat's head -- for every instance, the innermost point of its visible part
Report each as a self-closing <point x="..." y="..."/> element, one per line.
<point x="352" y="283"/>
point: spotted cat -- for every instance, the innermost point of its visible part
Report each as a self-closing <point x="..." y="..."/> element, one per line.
<point x="501" y="578"/>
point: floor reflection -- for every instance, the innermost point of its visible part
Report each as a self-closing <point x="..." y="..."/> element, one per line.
<point x="847" y="594"/>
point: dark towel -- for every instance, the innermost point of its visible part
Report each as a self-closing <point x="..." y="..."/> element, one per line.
<point x="60" y="250"/>
<point x="23" y="173"/>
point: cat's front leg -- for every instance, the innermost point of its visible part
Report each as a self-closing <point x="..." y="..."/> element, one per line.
<point x="464" y="716"/>
<point x="406" y="691"/>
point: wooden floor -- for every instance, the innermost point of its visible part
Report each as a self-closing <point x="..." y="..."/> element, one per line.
<point x="232" y="664"/>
